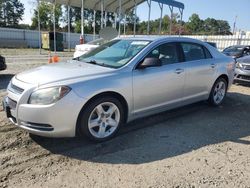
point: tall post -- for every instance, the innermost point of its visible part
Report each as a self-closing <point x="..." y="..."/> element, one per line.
<point x="160" y="25"/>
<point x="102" y="9"/>
<point x="115" y="24"/>
<point x="94" y="32"/>
<point x="149" y="14"/>
<point x="180" y="29"/>
<point x="69" y="46"/>
<point x="120" y="12"/>
<point x="39" y="26"/>
<point x="135" y="17"/>
<point x="124" y="31"/>
<point x="82" y="19"/>
<point x="234" y="27"/>
<point x="54" y="20"/>
<point x="105" y="19"/>
<point x="171" y="17"/>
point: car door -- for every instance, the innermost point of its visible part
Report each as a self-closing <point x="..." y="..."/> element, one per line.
<point x="156" y="87"/>
<point x="200" y="70"/>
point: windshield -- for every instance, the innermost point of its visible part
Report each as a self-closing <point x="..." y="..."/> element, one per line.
<point x="115" y="53"/>
<point x="233" y="49"/>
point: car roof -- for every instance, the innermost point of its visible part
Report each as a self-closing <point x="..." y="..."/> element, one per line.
<point x="245" y="59"/>
<point x="157" y="38"/>
<point x="239" y="46"/>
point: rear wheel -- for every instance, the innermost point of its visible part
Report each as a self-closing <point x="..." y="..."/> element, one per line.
<point x="218" y="92"/>
<point x="101" y="119"/>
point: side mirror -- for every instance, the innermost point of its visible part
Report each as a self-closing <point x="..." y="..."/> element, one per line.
<point x="150" y="62"/>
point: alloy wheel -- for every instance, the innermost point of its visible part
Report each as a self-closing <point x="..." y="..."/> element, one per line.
<point x="104" y="120"/>
<point x="219" y="92"/>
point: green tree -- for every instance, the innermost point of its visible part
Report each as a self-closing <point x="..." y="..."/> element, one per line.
<point x="1" y="14"/>
<point x="130" y="19"/>
<point x="223" y="28"/>
<point x="11" y="12"/>
<point x="195" y="24"/>
<point x="209" y="26"/>
<point x="46" y="12"/>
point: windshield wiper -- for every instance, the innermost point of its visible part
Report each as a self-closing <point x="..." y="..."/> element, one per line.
<point x="94" y="62"/>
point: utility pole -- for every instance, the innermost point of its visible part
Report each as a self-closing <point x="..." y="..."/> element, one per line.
<point x="235" y="21"/>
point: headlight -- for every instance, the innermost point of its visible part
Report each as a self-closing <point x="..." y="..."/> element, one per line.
<point x="239" y="65"/>
<point x="48" y="95"/>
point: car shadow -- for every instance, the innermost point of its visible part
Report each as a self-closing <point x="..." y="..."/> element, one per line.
<point x="4" y="80"/>
<point x="164" y="135"/>
<point x="241" y="83"/>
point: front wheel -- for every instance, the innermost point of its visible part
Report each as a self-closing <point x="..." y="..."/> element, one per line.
<point x="101" y="119"/>
<point x="218" y="92"/>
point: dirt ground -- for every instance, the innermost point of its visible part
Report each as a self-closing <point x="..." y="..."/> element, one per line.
<point x="193" y="146"/>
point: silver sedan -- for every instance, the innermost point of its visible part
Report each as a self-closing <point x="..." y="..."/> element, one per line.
<point x="242" y="71"/>
<point x="115" y="83"/>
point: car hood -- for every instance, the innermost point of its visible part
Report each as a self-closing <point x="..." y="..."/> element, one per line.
<point x="245" y="60"/>
<point x="61" y="72"/>
<point x="232" y="54"/>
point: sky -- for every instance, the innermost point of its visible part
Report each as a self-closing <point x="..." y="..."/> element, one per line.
<point x="218" y="9"/>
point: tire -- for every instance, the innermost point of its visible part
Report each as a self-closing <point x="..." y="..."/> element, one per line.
<point x="218" y="92"/>
<point x="96" y="119"/>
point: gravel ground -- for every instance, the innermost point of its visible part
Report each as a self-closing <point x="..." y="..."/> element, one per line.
<point x="193" y="146"/>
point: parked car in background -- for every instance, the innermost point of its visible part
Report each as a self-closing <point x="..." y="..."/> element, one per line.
<point x="3" y="65"/>
<point x="212" y="44"/>
<point x="106" y="34"/>
<point x="242" y="71"/>
<point x="84" y="48"/>
<point x="115" y="83"/>
<point x="237" y="51"/>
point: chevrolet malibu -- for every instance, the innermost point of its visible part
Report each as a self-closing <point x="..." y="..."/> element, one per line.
<point x="115" y="83"/>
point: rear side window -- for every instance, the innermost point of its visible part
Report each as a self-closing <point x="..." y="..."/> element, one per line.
<point x="208" y="54"/>
<point x="193" y="52"/>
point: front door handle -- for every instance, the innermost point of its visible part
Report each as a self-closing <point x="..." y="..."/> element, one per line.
<point x="213" y="65"/>
<point x="179" y="71"/>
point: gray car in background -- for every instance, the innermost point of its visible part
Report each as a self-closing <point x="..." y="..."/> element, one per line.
<point x="115" y="83"/>
<point x="242" y="71"/>
<point x="237" y="51"/>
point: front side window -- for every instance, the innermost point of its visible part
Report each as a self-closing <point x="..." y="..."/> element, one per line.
<point x="166" y="53"/>
<point x="247" y="51"/>
<point x="115" y="53"/>
<point x="193" y="52"/>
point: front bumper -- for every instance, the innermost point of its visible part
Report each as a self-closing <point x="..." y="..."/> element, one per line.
<point x="242" y="75"/>
<point x="55" y="120"/>
<point x="7" y="110"/>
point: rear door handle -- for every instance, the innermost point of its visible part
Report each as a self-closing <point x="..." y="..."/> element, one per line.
<point x="179" y="71"/>
<point x="213" y="65"/>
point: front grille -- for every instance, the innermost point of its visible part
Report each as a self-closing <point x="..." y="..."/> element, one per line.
<point x="12" y="104"/>
<point x="16" y="89"/>
<point x="246" y="67"/>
